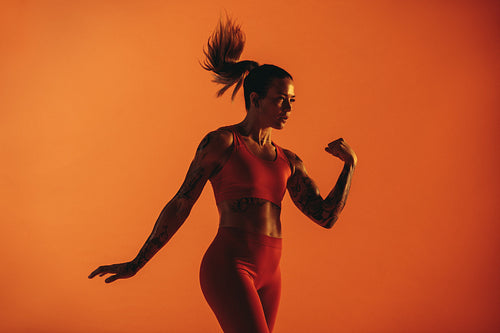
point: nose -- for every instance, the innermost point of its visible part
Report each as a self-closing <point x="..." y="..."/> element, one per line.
<point x="287" y="105"/>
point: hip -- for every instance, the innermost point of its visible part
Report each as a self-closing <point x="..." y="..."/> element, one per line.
<point x="236" y="249"/>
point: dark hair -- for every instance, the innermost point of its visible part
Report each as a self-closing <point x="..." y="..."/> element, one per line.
<point x="259" y="80"/>
<point x="224" y="49"/>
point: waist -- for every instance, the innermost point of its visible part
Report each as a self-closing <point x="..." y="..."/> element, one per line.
<point x="247" y="237"/>
<point x="253" y="215"/>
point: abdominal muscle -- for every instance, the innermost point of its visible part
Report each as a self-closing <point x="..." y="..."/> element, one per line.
<point x="251" y="214"/>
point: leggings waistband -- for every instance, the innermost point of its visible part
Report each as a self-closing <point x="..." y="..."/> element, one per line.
<point x="248" y="236"/>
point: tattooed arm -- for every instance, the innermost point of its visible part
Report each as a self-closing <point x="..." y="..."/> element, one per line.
<point x="305" y="194"/>
<point x="211" y="153"/>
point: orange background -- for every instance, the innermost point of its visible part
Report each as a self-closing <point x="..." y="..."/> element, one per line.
<point x="103" y="104"/>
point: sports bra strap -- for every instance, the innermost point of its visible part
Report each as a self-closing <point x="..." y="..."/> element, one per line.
<point x="236" y="137"/>
<point x="245" y="175"/>
<point x="239" y="142"/>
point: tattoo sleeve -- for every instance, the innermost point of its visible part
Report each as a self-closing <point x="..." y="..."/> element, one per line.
<point x="305" y="195"/>
<point x="189" y="187"/>
<point x="177" y="210"/>
<point x="169" y="221"/>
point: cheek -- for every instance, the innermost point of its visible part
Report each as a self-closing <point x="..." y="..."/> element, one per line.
<point x="271" y="109"/>
<point x="278" y="105"/>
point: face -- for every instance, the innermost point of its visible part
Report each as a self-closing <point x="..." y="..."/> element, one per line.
<point x="275" y="108"/>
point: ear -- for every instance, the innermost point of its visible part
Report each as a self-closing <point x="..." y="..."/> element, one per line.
<point x="254" y="99"/>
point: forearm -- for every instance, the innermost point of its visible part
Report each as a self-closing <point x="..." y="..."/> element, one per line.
<point x="334" y="203"/>
<point x="169" y="221"/>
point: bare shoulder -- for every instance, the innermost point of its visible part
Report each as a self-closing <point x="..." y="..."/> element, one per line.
<point x="291" y="155"/>
<point x="220" y="139"/>
<point x="294" y="160"/>
<point x="215" y="146"/>
<point x="224" y="135"/>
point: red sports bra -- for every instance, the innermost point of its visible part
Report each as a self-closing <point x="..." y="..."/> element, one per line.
<point x="245" y="175"/>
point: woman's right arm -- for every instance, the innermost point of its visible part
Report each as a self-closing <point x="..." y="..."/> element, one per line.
<point x="209" y="157"/>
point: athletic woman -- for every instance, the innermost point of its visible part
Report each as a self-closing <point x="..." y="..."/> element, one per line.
<point x="240" y="275"/>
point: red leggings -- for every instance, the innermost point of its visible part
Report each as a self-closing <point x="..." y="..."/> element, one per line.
<point x="240" y="278"/>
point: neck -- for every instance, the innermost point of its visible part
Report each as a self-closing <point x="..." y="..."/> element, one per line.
<point x="255" y="130"/>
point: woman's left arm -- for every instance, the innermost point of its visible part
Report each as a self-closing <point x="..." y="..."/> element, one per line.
<point x="305" y="194"/>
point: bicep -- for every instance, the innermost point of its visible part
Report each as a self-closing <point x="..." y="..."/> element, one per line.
<point x="302" y="188"/>
<point x="304" y="192"/>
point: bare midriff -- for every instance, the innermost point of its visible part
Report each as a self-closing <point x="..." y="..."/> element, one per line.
<point x="252" y="215"/>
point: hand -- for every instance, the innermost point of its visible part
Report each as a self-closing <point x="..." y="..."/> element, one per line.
<point x="122" y="271"/>
<point x="341" y="149"/>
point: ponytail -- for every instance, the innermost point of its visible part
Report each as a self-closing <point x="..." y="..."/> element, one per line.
<point x="224" y="49"/>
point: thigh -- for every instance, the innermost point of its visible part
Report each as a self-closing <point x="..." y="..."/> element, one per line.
<point x="234" y="300"/>
<point x="270" y="297"/>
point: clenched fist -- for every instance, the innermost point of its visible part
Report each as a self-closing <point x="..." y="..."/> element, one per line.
<point x="341" y="149"/>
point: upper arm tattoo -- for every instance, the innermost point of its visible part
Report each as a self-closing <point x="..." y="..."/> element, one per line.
<point x="189" y="187"/>
<point x="305" y="194"/>
<point x="306" y="197"/>
<point x="199" y="171"/>
<point x="204" y="143"/>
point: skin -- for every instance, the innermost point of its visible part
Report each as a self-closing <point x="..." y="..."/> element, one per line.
<point x="251" y="214"/>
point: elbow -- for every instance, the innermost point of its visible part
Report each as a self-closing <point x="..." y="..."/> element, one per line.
<point x="328" y="224"/>
<point x="324" y="220"/>
<point x="184" y="209"/>
<point x="179" y="208"/>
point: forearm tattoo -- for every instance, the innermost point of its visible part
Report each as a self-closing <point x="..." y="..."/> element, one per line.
<point x="338" y="196"/>
<point x="154" y="243"/>
<point x="177" y="210"/>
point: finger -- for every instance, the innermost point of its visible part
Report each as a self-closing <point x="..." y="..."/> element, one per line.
<point x="334" y="146"/>
<point x="335" y="143"/>
<point x="331" y="151"/>
<point x="94" y="273"/>
<point x="112" y="278"/>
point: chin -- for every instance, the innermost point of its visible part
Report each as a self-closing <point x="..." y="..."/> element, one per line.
<point x="279" y="126"/>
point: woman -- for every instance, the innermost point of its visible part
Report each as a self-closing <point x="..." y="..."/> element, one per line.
<point x="239" y="275"/>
